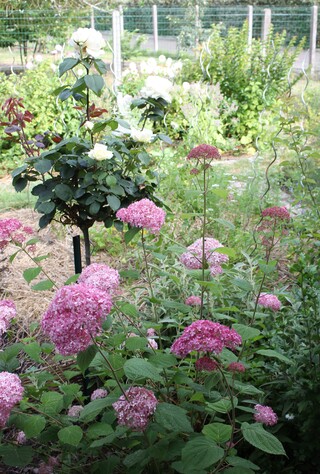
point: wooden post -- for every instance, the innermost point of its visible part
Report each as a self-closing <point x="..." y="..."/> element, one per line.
<point x="313" y="38"/>
<point x="266" y="24"/>
<point x="250" y="24"/>
<point x="121" y="19"/>
<point x="116" y="36"/>
<point x="92" y="18"/>
<point x="155" y="28"/>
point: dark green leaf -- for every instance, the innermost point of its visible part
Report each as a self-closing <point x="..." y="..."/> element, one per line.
<point x="67" y="64"/>
<point x="43" y="285"/>
<point x="218" y="432"/>
<point x="95" y="83"/>
<point x="173" y="418"/>
<point x="31" y="273"/>
<point x="63" y="192"/>
<point x="84" y="358"/>
<point x="70" y="435"/>
<point x="256" y="435"/>
<point x="17" y="456"/>
<point x="113" y="202"/>
<point x="43" y="166"/>
<point x="201" y="453"/>
<point x="141" y="369"/>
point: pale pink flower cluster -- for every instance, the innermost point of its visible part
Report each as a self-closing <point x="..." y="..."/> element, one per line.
<point x="269" y="301"/>
<point x="152" y="344"/>
<point x="193" y="300"/>
<point x="192" y="259"/>
<point x="144" y="214"/>
<point x="11" y="391"/>
<point x="7" y="312"/>
<point x="75" y="316"/>
<point x="49" y="467"/>
<point x="276" y="212"/>
<point x="98" y="393"/>
<point x="207" y="152"/>
<point x="206" y="364"/>
<point x="236" y="367"/>
<point x="151" y="332"/>
<point x="75" y="410"/>
<point x="205" y="336"/>
<point x="100" y="276"/>
<point x="265" y="414"/>
<point x="21" y="437"/>
<point x="12" y="230"/>
<point x="135" y="409"/>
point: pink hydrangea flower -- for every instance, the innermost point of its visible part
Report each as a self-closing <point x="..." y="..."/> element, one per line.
<point x="98" y="393"/>
<point x="135" y="409"/>
<point x="75" y="410"/>
<point x="74" y="316"/>
<point x="152" y="344"/>
<point x="193" y="300"/>
<point x="207" y="152"/>
<point x="21" y="437"/>
<point x="269" y="301"/>
<point x="12" y="230"/>
<point x="151" y="332"/>
<point x="7" y="312"/>
<point x="100" y="276"/>
<point x="216" y="270"/>
<point x="276" y="212"/>
<point x="266" y="415"/>
<point x="236" y="367"/>
<point x="206" y="364"/>
<point x="205" y="336"/>
<point x="11" y="391"/>
<point x="192" y="259"/>
<point x="144" y="214"/>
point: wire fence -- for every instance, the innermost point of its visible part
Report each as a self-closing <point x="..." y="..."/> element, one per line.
<point x="34" y="29"/>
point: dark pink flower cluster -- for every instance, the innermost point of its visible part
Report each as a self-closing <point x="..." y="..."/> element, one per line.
<point x="276" y="212"/>
<point x="100" y="276"/>
<point x="205" y="336"/>
<point x="7" y="312"/>
<point x="11" y="391"/>
<point x="74" y="316"/>
<point x="98" y="393"/>
<point x="269" y="301"/>
<point x="144" y="214"/>
<point x="206" y="364"/>
<point x="193" y="300"/>
<point x="192" y="259"/>
<point x="135" y="409"/>
<point x="12" y="230"/>
<point x="207" y="152"/>
<point x="236" y="367"/>
<point x="265" y="414"/>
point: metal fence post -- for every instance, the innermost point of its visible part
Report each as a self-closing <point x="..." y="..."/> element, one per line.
<point x="92" y="18"/>
<point x="250" y="24"/>
<point x="313" y="38"/>
<point x="266" y="24"/>
<point x="197" y="23"/>
<point x="116" y="37"/>
<point x="155" y="28"/>
<point x="121" y="20"/>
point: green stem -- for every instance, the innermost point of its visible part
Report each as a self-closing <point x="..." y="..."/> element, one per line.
<point x="145" y="257"/>
<point x="204" y="224"/>
<point x="39" y="266"/>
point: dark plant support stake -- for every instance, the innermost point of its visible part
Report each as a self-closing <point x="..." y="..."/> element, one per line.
<point x="86" y="237"/>
<point x="77" y="254"/>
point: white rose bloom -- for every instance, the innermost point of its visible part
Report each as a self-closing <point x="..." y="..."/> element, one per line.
<point x="144" y="135"/>
<point x="156" y="87"/>
<point x="38" y="58"/>
<point x="169" y="62"/>
<point x="100" y="152"/>
<point x="162" y="59"/>
<point x="88" y="125"/>
<point x="89" y="41"/>
<point x="186" y="86"/>
<point x="58" y="48"/>
<point x="124" y="102"/>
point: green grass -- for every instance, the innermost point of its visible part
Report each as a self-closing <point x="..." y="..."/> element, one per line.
<point x="10" y="199"/>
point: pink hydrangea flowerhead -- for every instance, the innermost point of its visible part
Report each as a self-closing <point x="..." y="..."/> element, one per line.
<point x="206" y="364"/>
<point x="269" y="301"/>
<point x="21" y="437"/>
<point x="236" y="367"/>
<point x="205" y="336"/>
<point x="192" y="259"/>
<point x="100" y="276"/>
<point x="75" y="410"/>
<point x="12" y="230"/>
<point x="98" y="393"/>
<point x="151" y="332"/>
<point x="152" y="344"/>
<point x="207" y="152"/>
<point x="11" y="391"/>
<point x="74" y="316"/>
<point x="193" y="301"/>
<point x="144" y="214"/>
<point x="265" y="414"/>
<point x="135" y="409"/>
<point x="7" y="312"/>
<point x="280" y="213"/>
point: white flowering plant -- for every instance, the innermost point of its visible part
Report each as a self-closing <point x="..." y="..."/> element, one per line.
<point x="87" y="177"/>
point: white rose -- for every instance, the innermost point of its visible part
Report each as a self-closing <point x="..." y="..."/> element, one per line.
<point x="100" y="152"/>
<point x="89" y="41"/>
<point x="162" y="59"/>
<point x="144" y="135"/>
<point x="88" y="125"/>
<point x="186" y="86"/>
<point x="156" y="87"/>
